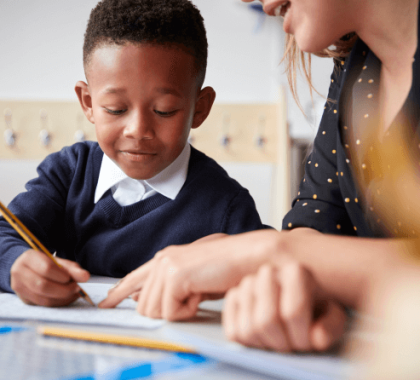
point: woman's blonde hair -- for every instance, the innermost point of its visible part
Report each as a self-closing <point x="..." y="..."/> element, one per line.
<point x="297" y="60"/>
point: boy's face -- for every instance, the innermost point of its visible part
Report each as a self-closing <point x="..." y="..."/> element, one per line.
<point x="143" y="100"/>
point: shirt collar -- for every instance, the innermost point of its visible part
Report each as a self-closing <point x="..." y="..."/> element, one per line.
<point x="168" y="182"/>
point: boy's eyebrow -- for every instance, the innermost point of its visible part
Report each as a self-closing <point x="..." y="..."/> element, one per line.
<point x="162" y="90"/>
<point x="113" y="90"/>
<point x="168" y="90"/>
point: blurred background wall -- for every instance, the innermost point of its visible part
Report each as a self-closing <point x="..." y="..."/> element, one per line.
<point x="41" y="49"/>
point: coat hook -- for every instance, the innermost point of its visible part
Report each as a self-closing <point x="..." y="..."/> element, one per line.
<point x="226" y="139"/>
<point x="44" y="134"/>
<point x="9" y="134"/>
<point x="260" y="139"/>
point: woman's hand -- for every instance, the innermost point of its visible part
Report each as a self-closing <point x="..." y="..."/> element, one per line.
<point x="283" y="309"/>
<point x="37" y="280"/>
<point x="174" y="282"/>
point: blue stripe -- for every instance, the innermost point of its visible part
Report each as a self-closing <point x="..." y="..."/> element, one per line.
<point x="10" y="329"/>
<point x="173" y="362"/>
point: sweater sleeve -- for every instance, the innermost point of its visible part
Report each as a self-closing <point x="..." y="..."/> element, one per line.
<point x="242" y="215"/>
<point x="41" y="209"/>
<point x="319" y="203"/>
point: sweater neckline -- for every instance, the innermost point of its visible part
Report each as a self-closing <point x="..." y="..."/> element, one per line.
<point x="121" y="215"/>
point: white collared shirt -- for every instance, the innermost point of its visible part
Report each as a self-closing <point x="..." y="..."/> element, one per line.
<point x="126" y="190"/>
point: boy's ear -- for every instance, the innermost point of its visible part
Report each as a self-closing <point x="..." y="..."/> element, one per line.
<point x="85" y="99"/>
<point x="203" y="106"/>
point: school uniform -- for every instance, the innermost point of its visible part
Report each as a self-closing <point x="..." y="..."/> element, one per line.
<point x="84" y="208"/>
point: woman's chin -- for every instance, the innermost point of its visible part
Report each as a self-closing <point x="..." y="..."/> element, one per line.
<point x="310" y="45"/>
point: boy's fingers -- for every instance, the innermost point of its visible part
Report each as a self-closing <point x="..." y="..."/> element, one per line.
<point x="74" y="270"/>
<point x="41" y="264"/>
<point x="329" y="327"/>
<point x="35" y="289"/>
<point x="32" y="298"/>
<point x="78" y="274"/>
<point x="54" y="302"/>
<point x="35" y="272"/>
<point x="44" y="287"/>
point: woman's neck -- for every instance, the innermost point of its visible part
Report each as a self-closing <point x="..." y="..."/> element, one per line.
<point x="389" y="28"/>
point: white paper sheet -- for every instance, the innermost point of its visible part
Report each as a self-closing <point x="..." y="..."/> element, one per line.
<point x="310" y="366"/>
<point x="80" y="312"/>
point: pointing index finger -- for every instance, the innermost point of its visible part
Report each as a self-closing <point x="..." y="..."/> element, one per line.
<point x="130" y="284"/>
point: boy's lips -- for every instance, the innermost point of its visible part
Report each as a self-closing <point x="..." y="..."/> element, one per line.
<point x="137" y="155"/>
<point x="137" y="152"/>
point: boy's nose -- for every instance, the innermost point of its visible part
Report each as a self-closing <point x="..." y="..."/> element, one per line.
<point x="139" y="127"/>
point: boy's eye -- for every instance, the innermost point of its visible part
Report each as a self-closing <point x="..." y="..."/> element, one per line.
<point x="165" y="114"/>
<point x="115" y="112"/>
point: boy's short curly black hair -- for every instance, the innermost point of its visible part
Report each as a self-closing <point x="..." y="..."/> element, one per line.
<point x="160" y="22"/>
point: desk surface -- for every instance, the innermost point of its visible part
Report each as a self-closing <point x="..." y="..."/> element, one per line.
<point x="26" y="355"/>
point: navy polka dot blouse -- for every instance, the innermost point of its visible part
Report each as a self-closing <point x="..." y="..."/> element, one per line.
<point x="328" y="199"/>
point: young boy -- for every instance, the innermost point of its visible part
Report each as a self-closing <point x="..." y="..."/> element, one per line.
<point x="108" y="207"/>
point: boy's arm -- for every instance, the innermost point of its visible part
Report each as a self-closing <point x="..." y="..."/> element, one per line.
<point x="41" y="209"/>
<point x="242" y="215"/>
<point x="11" y="247"/>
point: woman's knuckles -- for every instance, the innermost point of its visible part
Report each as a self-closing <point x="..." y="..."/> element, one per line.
<point x="265" y="321"/>
<point x="247" y="333"/>
<point x="230" y="330"/>
<point x="293" y="311"/>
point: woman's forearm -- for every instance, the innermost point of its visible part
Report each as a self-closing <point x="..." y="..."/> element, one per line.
<point x="345" y="267"/>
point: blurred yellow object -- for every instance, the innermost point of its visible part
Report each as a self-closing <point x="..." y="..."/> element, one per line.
<point x="388" y="176"/>
<point x="386" y="345"/>
<point x="112" y="339"/>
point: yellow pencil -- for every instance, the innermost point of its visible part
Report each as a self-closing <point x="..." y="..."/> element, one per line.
<point x="112" y="339"/>
<point x="33" y="242"/>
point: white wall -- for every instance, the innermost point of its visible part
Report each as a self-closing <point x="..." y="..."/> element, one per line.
<point x="41" y="58"/>
<point x="41" y="48"/>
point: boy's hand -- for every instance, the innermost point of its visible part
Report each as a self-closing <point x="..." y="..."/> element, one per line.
<point x="36" y="279"/>
<point x="282" y="309"/>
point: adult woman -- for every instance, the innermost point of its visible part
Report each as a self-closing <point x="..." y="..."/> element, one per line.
<point x="308" y="267"/>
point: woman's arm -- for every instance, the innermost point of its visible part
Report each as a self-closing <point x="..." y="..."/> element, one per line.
<point x="179" y="277"/>
<point x="345" y="267"/>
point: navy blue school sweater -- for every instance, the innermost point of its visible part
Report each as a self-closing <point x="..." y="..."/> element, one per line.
<point x="111" y="240"/>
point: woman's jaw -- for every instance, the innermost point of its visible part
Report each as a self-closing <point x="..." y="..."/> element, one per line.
<point x="315" y="24"/>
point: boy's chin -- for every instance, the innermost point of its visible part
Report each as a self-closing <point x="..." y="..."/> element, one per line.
<point x="142" y="171"/>
<point x="143" y="177"/>
<point x="142" y="174"/>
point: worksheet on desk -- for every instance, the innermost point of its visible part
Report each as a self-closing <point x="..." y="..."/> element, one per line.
<point x="79" y="312"/>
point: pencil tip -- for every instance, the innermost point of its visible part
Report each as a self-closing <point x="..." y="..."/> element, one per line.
<point x="86" y="297"/>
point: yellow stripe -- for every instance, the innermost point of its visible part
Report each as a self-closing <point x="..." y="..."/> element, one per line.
<point x="113" y="339"/>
